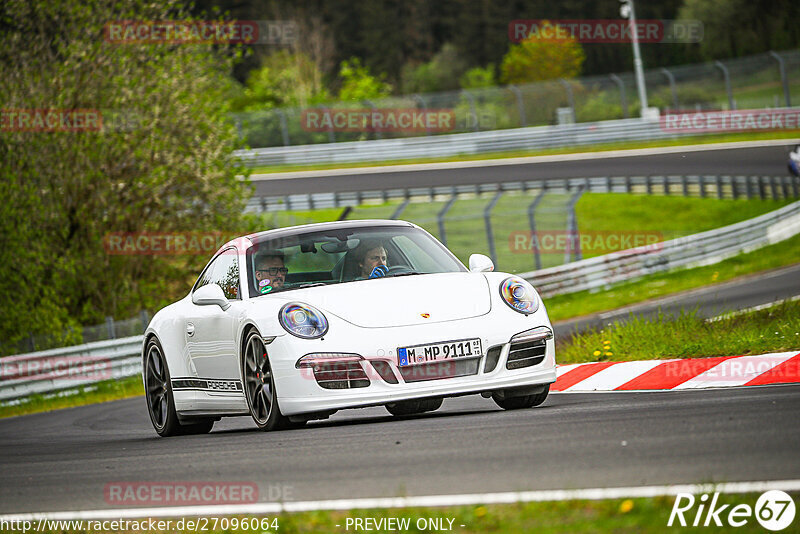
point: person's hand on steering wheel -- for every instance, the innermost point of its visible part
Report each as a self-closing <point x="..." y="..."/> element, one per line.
<point x="379" y="271"/>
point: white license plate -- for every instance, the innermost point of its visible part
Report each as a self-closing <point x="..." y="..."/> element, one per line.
<point x="445" y="350"/>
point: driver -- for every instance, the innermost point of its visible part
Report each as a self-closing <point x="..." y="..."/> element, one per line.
<point x="270" y="271"/>
<point x="371" y="259"/>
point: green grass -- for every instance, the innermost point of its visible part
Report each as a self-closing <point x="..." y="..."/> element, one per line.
<point x="561" y="307"/>
<point x="82" y="395"/>
<point x="683" y="141"/>
<point x="639" y="515"/>
<point x="685" y="335"/>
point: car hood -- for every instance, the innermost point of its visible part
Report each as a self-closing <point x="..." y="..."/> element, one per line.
<point x="403" y="301"/>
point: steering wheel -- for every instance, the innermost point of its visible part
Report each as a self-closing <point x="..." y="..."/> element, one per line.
<point x="398" y="269"/>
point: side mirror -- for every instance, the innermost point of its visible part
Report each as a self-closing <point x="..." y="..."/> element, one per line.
<point x="478" y="263"/>
<point x="210" y="294"/>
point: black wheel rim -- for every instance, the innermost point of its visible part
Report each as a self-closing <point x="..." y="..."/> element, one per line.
<point x="258" y="380"/>
<point x="156" y="387"/>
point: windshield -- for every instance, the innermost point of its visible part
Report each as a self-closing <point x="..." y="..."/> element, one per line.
<point x="344" y="255"/>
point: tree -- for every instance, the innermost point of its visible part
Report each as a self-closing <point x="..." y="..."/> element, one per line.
<point x="166" y="167"/>
<point x="358" y="84"/>
<point x="284" y="79"/>
<point x="478" y="77"/>
<point x="539" y="57"/>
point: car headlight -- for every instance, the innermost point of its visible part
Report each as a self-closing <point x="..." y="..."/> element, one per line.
<point x="303" y="320"/>
<point x="519" y="294"/>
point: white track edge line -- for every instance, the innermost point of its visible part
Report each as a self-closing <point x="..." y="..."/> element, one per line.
<point x="416" y="501"/>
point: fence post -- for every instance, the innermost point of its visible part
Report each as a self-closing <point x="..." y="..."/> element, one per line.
<point x="672" y="87"/>
<point x="784" y="186"/>
<point x="284" y="126"/>
<point x="727" y="77"/>
<point x="487" y="219"/>
<point x="145" y="317"/>
<point x="110" y="327"/>
<point x="702" y="183"/>
<point x="331" y="135"/>
<point x="666" y="185"/>
<point x="684" y="185"/>
<point x="719" y="187"/>
<point x="520" y="105"/>
<point x="773" y="187"/>
<point x="570" y="97"/>
<point x="532" y="223"/>
<point x="472" y="109"/>
<point x="442" y="214"/>
<point x="574" y="247"/>
<point x="400" y="208"/>
<point x="648" y="184"/>
<point x="419" y="100"/>
<point x="784" y="78"/>
<point x="622" y="99"/>
<point x="762" y="190"/>
<point x="375" y="132"/>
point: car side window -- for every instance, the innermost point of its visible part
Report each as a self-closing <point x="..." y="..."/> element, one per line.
<point x="223" y="271"/>
<point x="226" y="273"/>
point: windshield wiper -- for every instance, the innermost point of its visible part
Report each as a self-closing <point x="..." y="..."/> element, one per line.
<point x="409" y="273"/>
<point x="309" y="284"/>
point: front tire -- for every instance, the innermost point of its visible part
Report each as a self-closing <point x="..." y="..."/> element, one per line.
<point x="259" y="385"/>
<point x="524" y="401"/>
<point x="159" y="397"/>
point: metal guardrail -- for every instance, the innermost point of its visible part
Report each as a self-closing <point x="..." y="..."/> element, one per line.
<point x="705" y="248"/>
<point x="456" y="144"/>
<point x="65" y="368"/>
<point x="482" y="142"/>
<point x="71" y="367"/>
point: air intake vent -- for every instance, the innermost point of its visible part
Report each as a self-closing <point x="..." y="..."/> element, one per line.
<point x="340" y="375"/>
<point x="385" y="370"/>
<point x="525" y="354"/>
<point x="492" y="355"/>
<point x="439" y="370"/>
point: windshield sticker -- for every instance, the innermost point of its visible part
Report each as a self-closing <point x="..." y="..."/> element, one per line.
<point x="265" y="289"/>
<point x="264" y="282"/>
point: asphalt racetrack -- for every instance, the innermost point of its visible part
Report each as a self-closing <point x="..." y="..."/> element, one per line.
<point x="62" y="460"/>
<point x="766" y="161"/>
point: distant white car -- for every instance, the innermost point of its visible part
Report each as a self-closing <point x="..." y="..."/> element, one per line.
<point x="293" y="324"/>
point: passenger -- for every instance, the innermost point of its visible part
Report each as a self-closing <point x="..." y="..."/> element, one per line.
<point x="370" y="257"/>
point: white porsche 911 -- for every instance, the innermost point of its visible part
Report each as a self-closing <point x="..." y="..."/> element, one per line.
<point x="293" y="324"/>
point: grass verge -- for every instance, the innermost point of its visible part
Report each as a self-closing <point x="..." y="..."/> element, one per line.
<point x="686" y="335"/>
<point x="107" y="390"/>
<point x="684" y="141"/>
<point x="561" y="307"/>
<point x="640" y="515"/>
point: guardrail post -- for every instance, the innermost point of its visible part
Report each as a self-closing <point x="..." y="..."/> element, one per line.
<point x="284" y="126"/>
<point x="784" y="78"/>
<point x="719" y="187"/>
<point x="648" y="185"/>
<point x="749" y="187"/>
<point x="419" y="100"/>
<point x="762" y="190"/>
<point x="520" y="105"/>
<point x="537" y="259"/>
<point x="110" y="327"/>
<point x="609" y="185"/>
<point x="734" y="187"/>
<point x="487" y="219"/>
<point x="442" y="214"/>
<point x="570" y="97"/>
<point x="666" y="185"/>
<point x="400" y="208"/>
<point x="672" y="88"/>
<point x="574" y="246"/>
<point x="773" y="187"/>
<point x="702" y="183"/>
<point x="726" y="75"/>
<point x="145" y="318"/>
<point x="624" y="101"/>
<point x="628" y="184"/>
<point x="795" y="186"/>
<point x="784" y="186"/>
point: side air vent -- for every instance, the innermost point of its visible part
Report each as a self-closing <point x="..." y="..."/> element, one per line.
<point x="492" y="356"/>
<point x="526" y="354"/>
<point x="340" y="375"/>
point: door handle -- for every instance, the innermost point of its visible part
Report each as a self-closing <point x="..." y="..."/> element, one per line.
<point x="190" y="329"/>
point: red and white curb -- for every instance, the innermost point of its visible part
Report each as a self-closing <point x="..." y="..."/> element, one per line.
<point x="695" y="373"/>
